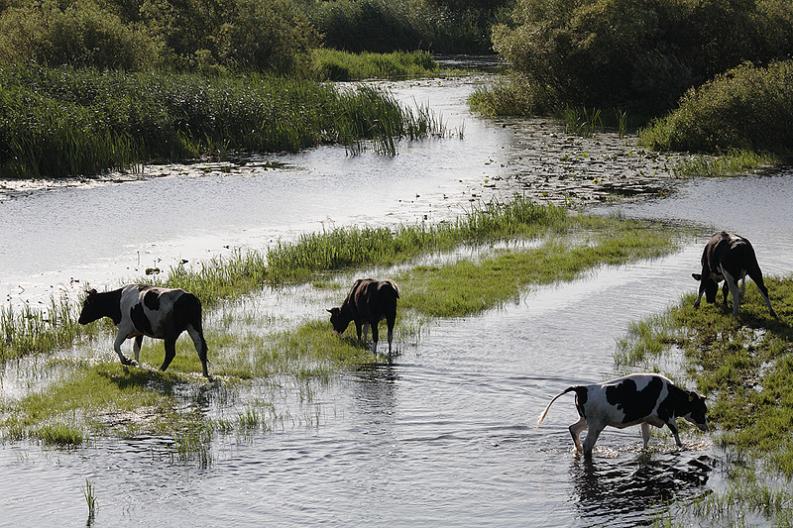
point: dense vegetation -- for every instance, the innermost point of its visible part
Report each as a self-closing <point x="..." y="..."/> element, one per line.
<point x="67" y="122"/>
<point x="746" y="108"/>
<point x="638" y="55"/>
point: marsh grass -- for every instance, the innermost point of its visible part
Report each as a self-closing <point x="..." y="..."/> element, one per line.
<point x="59" y="434"/>
<point x="64" y="122"/>
<point x="743" y="364"/>
<point x="465" y="287"/>
<point x="737" y="162"/>
<point x="337" y="65"/>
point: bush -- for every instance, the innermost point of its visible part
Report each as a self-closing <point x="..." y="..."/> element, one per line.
<point x="747" y="108"/>
<point x="640" y="55"/>
<point x="79" y="35"/>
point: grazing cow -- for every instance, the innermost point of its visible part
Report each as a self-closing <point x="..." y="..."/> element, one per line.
<point x="646" y="399"/>
<point x="161" y="313"/>
<point x="368" y="303"/>
<point x="728" y="257"/>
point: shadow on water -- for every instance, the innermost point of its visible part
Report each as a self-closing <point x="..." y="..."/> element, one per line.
<point x="637" y="486"/>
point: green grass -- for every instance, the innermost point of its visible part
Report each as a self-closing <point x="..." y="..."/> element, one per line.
<point x="59" y="434"/>
<point x="744" y="365"/>
<point x="738" y="162"/>
<point x="466" y="287"/>
<point x="336" y="65"/>
<point x="64" y="122"/>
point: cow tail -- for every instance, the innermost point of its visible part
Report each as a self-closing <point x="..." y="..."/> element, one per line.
<point x="396" y="288"/>
<point x="575" y="388"/>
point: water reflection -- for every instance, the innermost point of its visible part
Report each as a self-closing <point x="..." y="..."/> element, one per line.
<point x="623" y="486"/>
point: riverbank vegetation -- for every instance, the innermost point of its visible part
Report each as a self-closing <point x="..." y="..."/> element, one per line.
<point x="66" y="412"/>
<point x="336" y="65"/>
<point x="60" y="122"/>
<point x="637" y="59"/>
<point x="745" y="367"/>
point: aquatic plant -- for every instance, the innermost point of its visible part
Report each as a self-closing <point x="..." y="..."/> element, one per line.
<point x="736" y="162"/>
<point x="90" y="499"/>
<point x="67" y="122"/>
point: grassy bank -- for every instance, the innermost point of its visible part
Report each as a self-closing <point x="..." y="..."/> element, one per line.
<point x="336" y="65"/>
<point x="747" y="108"/>
<point x="70" y="122"/>
<point x="737" y="162"/>
<point x="67" y="412"/>
<point x="310" y="257"/>
<point x="745" y="367"/>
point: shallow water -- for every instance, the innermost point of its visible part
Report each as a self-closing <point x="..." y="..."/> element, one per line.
<point x="442" y="435"/>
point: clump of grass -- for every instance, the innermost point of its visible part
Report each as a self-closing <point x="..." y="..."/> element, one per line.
<point x="59" y="434"/>
<point x="581" y="121"/>
<point x="80" y="122"/>
<point x="735" y="162"/>
<point x="337" y="65"/>
<point x="90" y="499"/>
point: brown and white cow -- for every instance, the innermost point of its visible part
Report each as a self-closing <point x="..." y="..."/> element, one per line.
<point x="368" y="303"/>
<point x="638" y="399"/>
<point x="728" y="257"/>
<point x="138" y="310"/>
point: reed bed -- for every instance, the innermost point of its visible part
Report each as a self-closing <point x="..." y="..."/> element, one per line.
<point x="336" y="65"/>
<point x="66" y="122"/>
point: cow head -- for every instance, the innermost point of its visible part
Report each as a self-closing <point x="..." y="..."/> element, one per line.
<point x="708" y="285"/>
<point x="339" y="321"/>
<point x="93" y="308"/>
<point x="697" y="411"/>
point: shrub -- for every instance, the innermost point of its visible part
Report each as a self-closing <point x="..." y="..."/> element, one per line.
<point x="82" y="34"/>
<point x="639" y="55"/>
<point x="747" y="108"/>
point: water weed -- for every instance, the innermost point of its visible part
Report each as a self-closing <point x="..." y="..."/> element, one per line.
<point x="90" y="499"/>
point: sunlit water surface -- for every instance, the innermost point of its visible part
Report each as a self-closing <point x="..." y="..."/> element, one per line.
<point x="444" y="435"/>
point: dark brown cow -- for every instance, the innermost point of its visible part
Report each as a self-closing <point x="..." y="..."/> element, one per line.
<point x="368" y="303"/>
<point x="728" y="257"/>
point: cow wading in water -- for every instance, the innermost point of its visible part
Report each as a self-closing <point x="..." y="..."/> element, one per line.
<point x="728" y="257"/>
<point x="159" y="313"/>
<point x="646" y="399"/>
<point x="368" y="303"/>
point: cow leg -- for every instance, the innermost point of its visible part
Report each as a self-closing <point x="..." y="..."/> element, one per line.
<point x="170" y="352"/>
<point x="645" y="434"/>
<point x="591" y="438"/>
<point x="358" y="329"/>
<point x="136" y="348"/>
<point x="673" y="427"/>
<point x="699" y="295"/>
<point x="120" y="338"/>
<point x="365" y="332"/>
<point x="757" y="278"/>
<point x="390" y="320"/>
<point x="724" y="290"/>
<point x="197" y="335"/>
<point x="736" y="293"/>
<point x="374" y="337"/>
<point x="575" y="431"/>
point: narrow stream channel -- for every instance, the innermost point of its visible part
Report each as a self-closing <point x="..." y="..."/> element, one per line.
<point x="445" y="434"/>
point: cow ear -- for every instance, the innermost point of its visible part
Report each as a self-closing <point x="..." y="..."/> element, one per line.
<point x="91" y="292"/>
<point x="329" y="310"/>
<point x="696" y="276"/>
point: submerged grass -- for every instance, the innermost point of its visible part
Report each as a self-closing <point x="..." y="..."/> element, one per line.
<point x="64" y="122"/>
<point x="737" y="162"/>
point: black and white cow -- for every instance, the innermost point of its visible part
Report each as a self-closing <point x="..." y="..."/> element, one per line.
<point x="368" y="303"/>
<point x="646" y="399"/>
<point x="138" y="310"/>
<point x="728" y="257"/>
